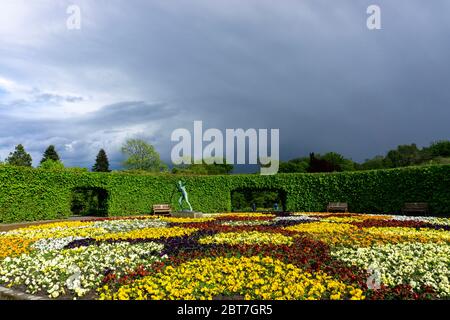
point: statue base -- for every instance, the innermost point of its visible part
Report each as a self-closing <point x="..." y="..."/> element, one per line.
<point x="187" y="214"/>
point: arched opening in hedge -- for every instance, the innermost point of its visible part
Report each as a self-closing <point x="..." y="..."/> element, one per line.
<point x="247" y="199"/>
<point x="89" y="201"/>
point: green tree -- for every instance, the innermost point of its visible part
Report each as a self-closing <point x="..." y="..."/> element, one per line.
<point x="50" y="164"/>
<point x="338" y="161"/>
<point x="238" y="201"/>
<point x="50" y="154"/>
<point x="220" y="168"/>
<point x="242" y="200"/>
<point x="19" y="157"/>
<point x="294" y="165"/>
<point x="204" y="168"/>
<point x="76" y="169"/>
<point x="101" y="162"/>
<point x="404" y="155"/>
<point x="142" y="156"/>
<point x="439" y="149"/>
<point x="372" y="164"/>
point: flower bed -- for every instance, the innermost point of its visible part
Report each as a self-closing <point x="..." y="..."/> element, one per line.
<point x="254" y="256"/>
<point x="254" y="278"/>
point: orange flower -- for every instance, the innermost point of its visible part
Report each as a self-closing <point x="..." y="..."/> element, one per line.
<point x="13" y="246"/>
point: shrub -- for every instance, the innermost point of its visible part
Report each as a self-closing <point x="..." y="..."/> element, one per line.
<point x="50" y="164"/>
<point x="35" y="194"/>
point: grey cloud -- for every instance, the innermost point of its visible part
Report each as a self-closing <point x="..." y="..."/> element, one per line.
<point x="106" y="118"/>
<point x="310" y="68"/>
<point x="127" y="113"/>
<point x="86" y="133"/>
<point x="55" y="98"/>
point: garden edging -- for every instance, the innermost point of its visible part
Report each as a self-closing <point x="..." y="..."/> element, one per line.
<point x="11" y="294"/>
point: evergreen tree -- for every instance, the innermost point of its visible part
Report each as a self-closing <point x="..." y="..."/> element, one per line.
<point x="101" y="163"/>
<point x="50" y="154"/>
<point x="19" y="157"/>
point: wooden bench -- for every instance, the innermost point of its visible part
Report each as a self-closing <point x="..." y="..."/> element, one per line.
<point x="415" y="207"/>
<point x="163" y="209"/>
<point x="337" y="206"/>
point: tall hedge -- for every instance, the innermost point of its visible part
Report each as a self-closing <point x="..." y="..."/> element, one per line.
<point x="33" y="194"/>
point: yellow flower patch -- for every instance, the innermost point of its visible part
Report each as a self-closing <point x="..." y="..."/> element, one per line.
<point x="54" y="233"/>
<point x="185" y="220"/>
<point x="344" y="219"/>
<point x="310" y="213"/>
<point x="358" y="218"/>
<point x="323" y="228"/>
<point x="253" y="278"/>
<point x="13" y="246"/>
<point x="341" y="234"/>
<point x="410" y="234"/>
<point x="251" y="237"/>
<point x="376" y="217"/>
<point x="63" y="224"/>
<point x="148" y="233"/>
<point x="247" y="215"/>
<point x="356" y="238"/>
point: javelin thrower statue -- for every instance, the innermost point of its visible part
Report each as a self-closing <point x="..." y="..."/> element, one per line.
<point x="184" y="195"/>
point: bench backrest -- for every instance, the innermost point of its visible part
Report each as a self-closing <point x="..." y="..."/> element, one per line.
<point x="161" y="206"/>
<point x="416" y="205"/>
<point x="338" y="205"/>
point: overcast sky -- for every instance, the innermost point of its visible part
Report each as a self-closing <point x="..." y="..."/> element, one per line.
<point x="136" y="68"/>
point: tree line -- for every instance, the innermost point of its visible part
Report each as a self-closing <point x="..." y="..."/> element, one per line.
<point x="51" y="160"/>
<point x="142" y="157"/>
<point x="404" y="155"/>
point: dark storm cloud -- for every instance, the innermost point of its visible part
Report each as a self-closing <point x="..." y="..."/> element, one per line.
<point x="106" y="118"/>
<point x="126" y="113"/>
<point x="310" y="68"/>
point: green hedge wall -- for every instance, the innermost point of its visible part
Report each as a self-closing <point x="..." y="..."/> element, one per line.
<point x="28" y="194"/>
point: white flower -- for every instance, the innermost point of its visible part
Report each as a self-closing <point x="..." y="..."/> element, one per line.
<point x="80" y="269"/>
<point x="414" y="263"/>
<point x="296" y="218"/>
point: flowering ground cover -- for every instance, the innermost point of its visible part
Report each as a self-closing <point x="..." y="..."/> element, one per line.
<point x="249" y="256"/>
